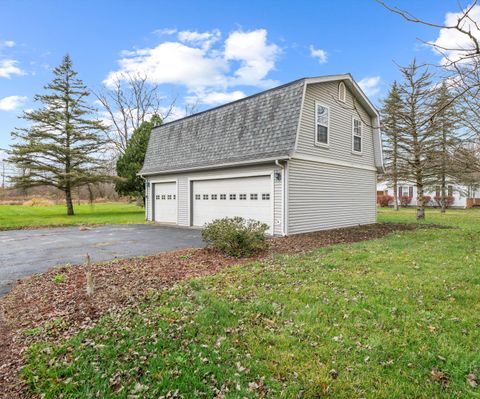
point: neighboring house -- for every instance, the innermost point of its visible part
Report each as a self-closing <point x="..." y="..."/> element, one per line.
<point x="462" y="196"/>
<point x="300" y="157"/>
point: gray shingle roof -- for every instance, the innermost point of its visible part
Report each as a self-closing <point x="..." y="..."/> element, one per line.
<point x="257" y="127"/>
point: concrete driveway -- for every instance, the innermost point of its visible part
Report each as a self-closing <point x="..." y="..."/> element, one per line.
<point x="25" y="252"/>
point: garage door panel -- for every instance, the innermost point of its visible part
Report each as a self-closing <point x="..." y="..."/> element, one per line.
<point x="249" y="197"/>
<point x="165" y="202"/>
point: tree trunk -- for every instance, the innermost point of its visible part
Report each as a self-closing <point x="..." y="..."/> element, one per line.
<point x="443" y="201"/>
<point x="420" y="202"/>
<point x="68" y="200"/>
<point x="395" y="194"/>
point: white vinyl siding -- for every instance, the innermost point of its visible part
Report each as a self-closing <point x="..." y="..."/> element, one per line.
<point x="340" y="126"/>
<point x="323" y="196"/>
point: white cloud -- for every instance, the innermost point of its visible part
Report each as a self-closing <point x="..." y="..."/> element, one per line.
<point x="202" y="63"/>
<point x="8" y="43"/>
<point x="174" y="63"/>
<point x="216" y="97"/>
<point x="370" y="85"/>
<point x="9" y="67"/>
<point x="165" y="32"/>
<point x="257" y="58"/>
<point x="203" y="39"/>
<point x="11" y="103"/>
<point x="319" y="53"/>
<point x="457" y="43"/>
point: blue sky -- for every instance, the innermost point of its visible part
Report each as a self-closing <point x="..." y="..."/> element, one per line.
<point x="206" y="51"/>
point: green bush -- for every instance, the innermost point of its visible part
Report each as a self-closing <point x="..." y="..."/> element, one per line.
<point x="236" y="236"/>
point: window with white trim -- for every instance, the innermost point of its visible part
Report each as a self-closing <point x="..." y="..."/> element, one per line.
<point x="322" y="119"/>
<point x="197" y="196"/>
<point x="342" y="92"/>
<point x="213" y="196"/>
<point x="223" y="196"/>
<point x="357" y="135"/>
<point x="254" y="197"/>
<point x="265" y="197"/>
<point x="233" y="196"/>
<point x="205" y="196"/>
<point x="242" y="196"/>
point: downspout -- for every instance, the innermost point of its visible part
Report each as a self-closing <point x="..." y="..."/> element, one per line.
<point x="146" y="196"/>
<point x="277" y="162"/>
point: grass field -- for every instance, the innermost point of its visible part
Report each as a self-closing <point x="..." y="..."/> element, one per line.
<point x="19" y="216"/>
<point x="397" y="317"/>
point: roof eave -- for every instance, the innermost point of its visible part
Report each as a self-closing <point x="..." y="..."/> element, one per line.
<point x="216" y="166"/>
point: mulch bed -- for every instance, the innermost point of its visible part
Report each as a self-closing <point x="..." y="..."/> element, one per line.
<point x="118" y="284"/>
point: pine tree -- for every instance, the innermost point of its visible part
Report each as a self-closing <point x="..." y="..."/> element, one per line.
<point x="61" y="145"/>
<point x="130" y="163"/>
<point x="445" y="123"/>
<point x="391" y="129"/>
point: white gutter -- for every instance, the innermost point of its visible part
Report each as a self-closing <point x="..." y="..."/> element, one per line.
<point x="216" y="166"/>
<point x="277" y="162"/>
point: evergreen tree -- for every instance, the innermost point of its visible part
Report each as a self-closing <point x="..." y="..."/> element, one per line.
<point x="130" y="163"/>
<point x="445" y="123"/>
<point x="60" y="147"/>
<point x="391" y="129"/>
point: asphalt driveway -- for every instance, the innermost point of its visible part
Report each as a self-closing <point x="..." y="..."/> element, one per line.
<point x="25" y="252"/>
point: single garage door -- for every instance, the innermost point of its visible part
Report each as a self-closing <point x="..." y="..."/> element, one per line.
<point x="165" y="202"/>
<point x="248" y="197"/>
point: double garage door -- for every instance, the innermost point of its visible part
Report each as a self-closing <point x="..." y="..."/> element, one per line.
<point x="247" y="197"/>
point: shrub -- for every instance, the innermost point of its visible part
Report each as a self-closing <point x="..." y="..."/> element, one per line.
<point x="236" y="236"/>
<point x="427" y="199"/>
<point x="384" y="200"/>
<point x="405" y="200"/>
<point x="450" y="200"/>
<point x="38" y="201"/>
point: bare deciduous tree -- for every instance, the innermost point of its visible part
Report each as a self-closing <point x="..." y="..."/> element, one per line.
<point x="461" y="62"/>
<point x="417" y="137"/>
<point x="129" y="101"/>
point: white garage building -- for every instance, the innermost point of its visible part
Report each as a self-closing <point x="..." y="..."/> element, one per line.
<point x="300" y="157"/>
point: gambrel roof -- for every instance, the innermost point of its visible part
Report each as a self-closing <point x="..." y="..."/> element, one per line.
<point x="259" y="128"/>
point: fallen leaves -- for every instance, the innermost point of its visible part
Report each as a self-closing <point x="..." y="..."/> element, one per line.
<point x="37" y="302"/>
<point x="439" y="377"/>
<point x="472" y="380"/>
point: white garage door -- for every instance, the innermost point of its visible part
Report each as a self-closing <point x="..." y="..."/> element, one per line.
<point x="165" y="202"/>
<point x="248" y="197"/>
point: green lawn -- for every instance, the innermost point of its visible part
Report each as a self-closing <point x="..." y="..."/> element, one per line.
<point x="19" y="216"/>
<point x="397" y="317"/>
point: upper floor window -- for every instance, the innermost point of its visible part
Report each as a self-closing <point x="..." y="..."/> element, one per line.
<point x="322" y="119"/>
<point x="357" y="135"/>
<point x="342" y="92"/>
